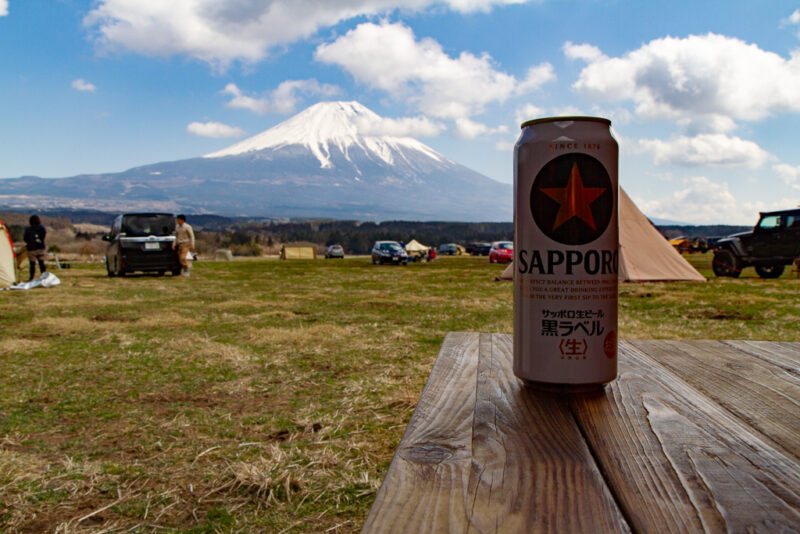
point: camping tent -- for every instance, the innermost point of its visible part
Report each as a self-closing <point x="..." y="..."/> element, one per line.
<point x="223" y="254"/>
<point x="644" y="254"/>
<point x="415" y="248"/>
<point x="298" y="253"/>
<point x="8" y="270"/>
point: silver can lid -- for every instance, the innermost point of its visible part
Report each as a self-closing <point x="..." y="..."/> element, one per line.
<point x="565" y="119"/>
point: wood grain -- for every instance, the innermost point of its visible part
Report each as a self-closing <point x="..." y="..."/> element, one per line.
<point x="521" y="465"/>
<point x="424" y="489"/>
<point x="759" y="385"/>
<point x="679" y="462"/>
<point x="694" y="436"/>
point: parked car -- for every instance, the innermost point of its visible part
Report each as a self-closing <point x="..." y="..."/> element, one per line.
<point x="501" y="252"/>
<point x="388" y="252"/>
<point x="142" y="242"/>
<point x="479" y="249"/>
<point x="334" y="251"/>
<point x="773" y="244"/>
<point x="448" y="249"/>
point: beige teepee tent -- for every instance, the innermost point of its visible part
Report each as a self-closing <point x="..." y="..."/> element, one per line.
<point x="8" y="272"/>
<point x="644" y="254"/>
<point x="415" y="248"/>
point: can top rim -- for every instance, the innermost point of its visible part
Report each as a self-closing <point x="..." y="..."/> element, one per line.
<point x="565" y="119"/>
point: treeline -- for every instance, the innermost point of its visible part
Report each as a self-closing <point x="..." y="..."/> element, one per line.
<point x="357" y="237"/>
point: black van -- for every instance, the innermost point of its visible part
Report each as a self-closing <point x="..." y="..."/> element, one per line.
<point x="142" y="242"/>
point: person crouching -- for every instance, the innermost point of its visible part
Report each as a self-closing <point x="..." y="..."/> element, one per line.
<point x="184" y="242"/>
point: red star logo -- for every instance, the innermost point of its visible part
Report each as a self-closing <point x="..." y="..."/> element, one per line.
<point x="575" y="200"/>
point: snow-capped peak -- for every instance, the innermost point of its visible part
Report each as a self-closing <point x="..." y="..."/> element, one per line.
<point x="326" y="125"/>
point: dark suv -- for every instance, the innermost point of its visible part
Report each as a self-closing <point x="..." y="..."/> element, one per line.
<point x="388" y="252"/>
<point x="773" y="244"/>
<point x="142" y="242"/>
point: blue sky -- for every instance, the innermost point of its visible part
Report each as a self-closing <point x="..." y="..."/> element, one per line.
<point x="704" y="97"/>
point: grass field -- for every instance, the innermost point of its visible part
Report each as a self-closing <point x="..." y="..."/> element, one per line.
<point x="264" y="396"/>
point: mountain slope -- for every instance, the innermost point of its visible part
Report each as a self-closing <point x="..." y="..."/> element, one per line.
<point x="315" y="164"/>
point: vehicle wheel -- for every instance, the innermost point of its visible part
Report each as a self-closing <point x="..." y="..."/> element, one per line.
<point x="118" y="270"/>
<point x="769" y="271"/>
<point x="108" y="269"/>
<point x="726" y="264"/>
<point x="176" y="271"/>
<point x="374" y="261"/>
<point x="491" y="260"/>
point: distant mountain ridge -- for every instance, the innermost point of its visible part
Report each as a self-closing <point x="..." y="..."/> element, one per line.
<point x="315" y="164"/>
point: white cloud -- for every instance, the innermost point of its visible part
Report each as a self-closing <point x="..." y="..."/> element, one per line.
<point x="216" y="130"/>
<point x="568" y="111"/>
<point x="403" y="127"/>
<point x="715" y="150"/>
<point x="282" y="100"/>
<point x="3" y="8"/>
<point x="389" y="57"/>
<point x="529" y="112"/>
<point x="586" y="52"/>
<point x="469" y="129"/>
<point x="789" y="174"/>
<point x="505" y="146"/>
<point x="707" y="81"/>
<point x="537" y="76"/>
<point x="699" y="201"/>
<point x="81" y="85"/>
<point x="792" y="20"/>
<point x="247" y="30"/>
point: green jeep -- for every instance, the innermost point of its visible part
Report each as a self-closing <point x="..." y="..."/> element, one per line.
<point x="773" y="244"/>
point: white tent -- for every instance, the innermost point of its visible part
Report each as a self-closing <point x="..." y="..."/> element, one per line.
<point x="8" y="272"/>
<point x="415" y="248"/>
<point x="644" y="254"/>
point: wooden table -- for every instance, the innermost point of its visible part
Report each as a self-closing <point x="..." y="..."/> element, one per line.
<point x="694" y="436"/>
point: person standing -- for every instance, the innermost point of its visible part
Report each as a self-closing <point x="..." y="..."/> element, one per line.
<point x="34" y="241"/>
<point x="184" y="242"/>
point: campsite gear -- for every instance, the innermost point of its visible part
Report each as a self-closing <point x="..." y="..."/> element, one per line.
<point x="46" y="280"/>
<point x="566" y="264"/>
<point x="223" y="254"/>
<point x="8" y="268"/>
<point x="298" y="253"/>
<point x="644" y="254"/>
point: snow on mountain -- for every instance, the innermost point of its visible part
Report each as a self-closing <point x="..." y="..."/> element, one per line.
<point x="326" y="125"/>
<point x="315" y="164"/>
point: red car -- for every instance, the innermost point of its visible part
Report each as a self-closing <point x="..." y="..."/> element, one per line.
<point x="501" y="252"/>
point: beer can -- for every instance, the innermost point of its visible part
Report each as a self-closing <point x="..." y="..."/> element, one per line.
<point x="566" y="256"/>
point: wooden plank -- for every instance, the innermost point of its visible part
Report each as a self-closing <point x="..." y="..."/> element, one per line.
<point x="433" y="458"/>
<point x="678" y="462"/>
<point x="756" y="389"/>
<point x="786" y="355"/>
<point x="525" y="467"/>
<point x="532" y="471"/>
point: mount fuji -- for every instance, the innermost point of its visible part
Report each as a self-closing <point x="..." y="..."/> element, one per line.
<point x="321" y="162"/>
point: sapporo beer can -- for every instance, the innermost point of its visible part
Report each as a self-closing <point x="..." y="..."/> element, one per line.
<point x="566" y="253"/>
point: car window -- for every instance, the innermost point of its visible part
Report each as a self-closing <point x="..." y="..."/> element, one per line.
<point x="793" y="221"/>
<point x="507" y="246"/>
<point x="770" y="222"/>
<point x="144" y="225"/>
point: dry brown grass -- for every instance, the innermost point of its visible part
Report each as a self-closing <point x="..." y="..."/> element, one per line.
<point x="260" y="396"/>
